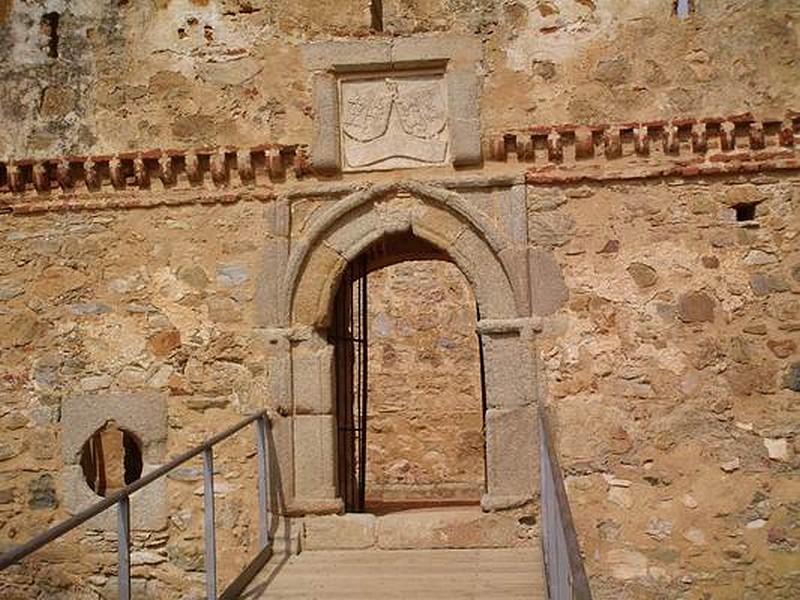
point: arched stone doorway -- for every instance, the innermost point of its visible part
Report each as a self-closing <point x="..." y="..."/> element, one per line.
<point x="408" y="380"/>
<point x="443" y="223"/>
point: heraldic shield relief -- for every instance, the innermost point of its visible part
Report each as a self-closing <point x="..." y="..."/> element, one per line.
<point x="394" y="122"/>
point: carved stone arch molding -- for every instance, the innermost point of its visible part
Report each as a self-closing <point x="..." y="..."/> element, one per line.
<point x="337" y="234"/>
<point x="442" y="217"/>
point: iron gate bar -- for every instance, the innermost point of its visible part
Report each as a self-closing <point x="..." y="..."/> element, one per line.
<point x="349" y="336"/>
<point x="122" y="499"/>
<point x="339" y="333"/>
<point x="362" y="396"/>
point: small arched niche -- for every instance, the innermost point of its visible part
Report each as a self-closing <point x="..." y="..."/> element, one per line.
<point x="111" y="459"/>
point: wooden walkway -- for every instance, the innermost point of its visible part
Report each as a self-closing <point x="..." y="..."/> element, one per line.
<point x="485" y="574"/>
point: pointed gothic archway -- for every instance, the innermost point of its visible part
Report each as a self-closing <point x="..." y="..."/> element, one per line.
<point x="444" y="223"/>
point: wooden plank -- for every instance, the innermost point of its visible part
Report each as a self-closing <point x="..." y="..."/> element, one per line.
<point x="507" y="574"/>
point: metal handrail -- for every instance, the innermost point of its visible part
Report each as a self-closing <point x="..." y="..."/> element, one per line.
<point x="122" y="499"/>
<point x="564" y="572"/>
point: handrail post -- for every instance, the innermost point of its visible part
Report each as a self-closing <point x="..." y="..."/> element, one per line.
<point x="209" y="532"/>
<point x="263" y="482"/>
<point x="124" y="548"/>
<point x="565" y="577"/>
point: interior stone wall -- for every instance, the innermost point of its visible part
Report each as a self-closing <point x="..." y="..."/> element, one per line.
<point x="182" y="73"/>
<point x="425" y="416"/>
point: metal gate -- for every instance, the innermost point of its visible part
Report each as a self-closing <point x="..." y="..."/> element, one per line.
<point x="348" y="334"/>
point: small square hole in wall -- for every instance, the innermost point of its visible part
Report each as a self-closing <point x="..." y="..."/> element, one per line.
<point x="745" y="212"/>
<point x="683" y="8"/>
<point x="49" y="28"/>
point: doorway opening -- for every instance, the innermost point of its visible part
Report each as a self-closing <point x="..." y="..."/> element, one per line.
<point x="409" y="385"/>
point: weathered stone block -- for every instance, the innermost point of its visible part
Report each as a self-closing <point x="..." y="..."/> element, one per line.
<point x="145" y="416"/>
<point x="314" y="290"/>
<point x="481" y="267"/>
<point x="314" y="457"/>
<point x="551" y="229"/>
<point x="515" y="260"/>
<point x="462" y="51"/>
<point x="463" y="90"/>
<point x="19" y="329"/>
<point x="791" y="380"/>
<point x="512" y="451"/>
<point x="437" y="225"/>
<point x="142" y="415"/>
<point x="452" y="528"/>
<point x="149" y="507"/>
<point x="507" y="370"/>
<point x="281" y="462"/>
<point x="350" y="239"/>
<point x="548" y="290"/>
<point x="269" y="311"/>
<point x="279" y="382"/>
<point x="643" y="275"/>
<point x="764" y="284"/>
<point x="325" y="149"/>
<point x="313" y="381"/>
<point x="323" y="56"/>
<point x="344" y="532"/>
<point x="696" y="307"/>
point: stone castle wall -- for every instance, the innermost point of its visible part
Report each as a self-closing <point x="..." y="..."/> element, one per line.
<point x="673" y="377"/>
<point x="192" y="73"/>
<point x="150" y="305"/>
<point x="672" y="372"/>
<point x="668" y="352"/>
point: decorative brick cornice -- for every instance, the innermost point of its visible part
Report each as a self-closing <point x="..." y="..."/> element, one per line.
<point x="202" y="175"/>
<point x="552" y="154"/>
<point x="682" y="147"/>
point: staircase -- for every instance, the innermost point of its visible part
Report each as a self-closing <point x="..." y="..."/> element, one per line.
<point x="454" y="574"/>
<point x="441" y="552"/>
<point x="455" y="553"/>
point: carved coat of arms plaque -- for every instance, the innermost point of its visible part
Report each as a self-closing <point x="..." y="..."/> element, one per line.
<point x="391" y="122"/>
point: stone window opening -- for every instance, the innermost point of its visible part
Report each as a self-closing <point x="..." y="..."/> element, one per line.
<point x="411" y="433"/>
<point x="49" y="26"/>
<point x="376" y="15"/>
<point x="111" y="459"/>
<point x="683" y="8"/>
<point x="745" y="212"/>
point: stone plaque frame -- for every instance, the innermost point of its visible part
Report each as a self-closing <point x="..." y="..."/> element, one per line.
<point x="455" y="57"/>
<point x="142" y="414"/>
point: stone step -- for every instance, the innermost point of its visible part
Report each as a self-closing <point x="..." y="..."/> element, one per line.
<point x="455" y="574"/>
<point x="286" y="535"/>
<point x="451" y="527"/>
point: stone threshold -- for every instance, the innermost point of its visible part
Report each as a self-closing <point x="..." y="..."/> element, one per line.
<point x="420" y="528"/>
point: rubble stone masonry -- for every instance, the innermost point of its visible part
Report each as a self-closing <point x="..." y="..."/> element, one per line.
<point x="617" y="188"/>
